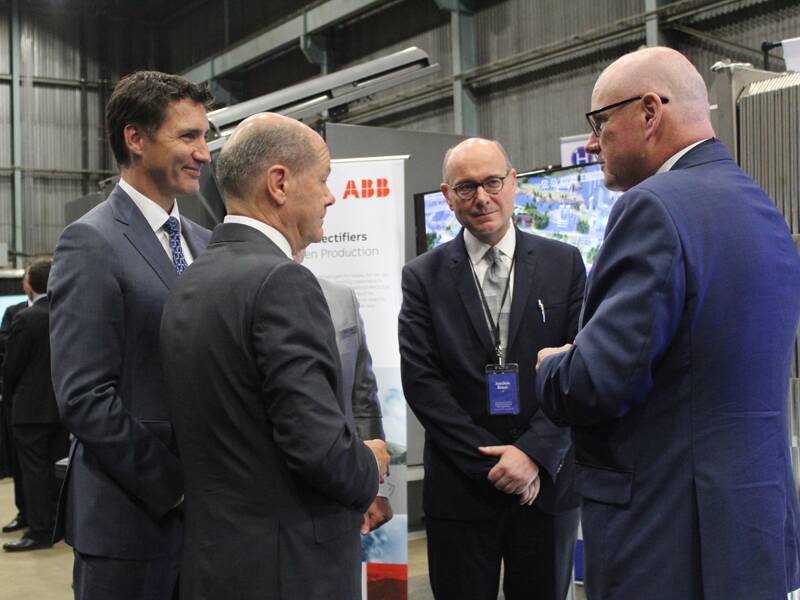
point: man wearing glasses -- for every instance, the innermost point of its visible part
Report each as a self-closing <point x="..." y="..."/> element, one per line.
<point x="476" y="310"/>
<point x="676" y="386"/>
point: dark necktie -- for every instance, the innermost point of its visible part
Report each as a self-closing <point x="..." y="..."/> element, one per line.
<point x="173" y="229"/>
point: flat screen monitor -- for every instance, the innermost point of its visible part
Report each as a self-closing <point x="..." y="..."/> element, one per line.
<point x="569" y="204"/>
<point x="6" y="301"/>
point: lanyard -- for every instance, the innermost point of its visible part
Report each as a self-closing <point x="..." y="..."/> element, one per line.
<point x="494" y="327"/>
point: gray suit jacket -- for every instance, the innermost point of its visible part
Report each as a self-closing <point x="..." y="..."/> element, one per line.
<point x="108" y="284"/>
<point x="358" y="380"/>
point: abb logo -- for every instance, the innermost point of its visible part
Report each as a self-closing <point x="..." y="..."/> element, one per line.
<point x="369" y="188"/>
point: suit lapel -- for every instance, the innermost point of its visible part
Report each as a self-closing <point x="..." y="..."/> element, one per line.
<point x="524" y="269"/>
<point x="137" y="231"/>
<point x="193" y="240"/>
<point x="464" y="283"/>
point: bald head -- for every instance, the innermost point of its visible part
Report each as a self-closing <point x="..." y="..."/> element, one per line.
<point x="648" y="105"/>
<point x="259" y="142"/>
<point x="663" y="71"/>
<point x="469" y="147"/>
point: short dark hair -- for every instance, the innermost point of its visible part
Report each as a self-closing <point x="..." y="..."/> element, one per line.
<point x="38" y="273"/>
<point x="142" y="99"/>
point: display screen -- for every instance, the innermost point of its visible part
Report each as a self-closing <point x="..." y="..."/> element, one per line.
<point x="6" y="301"/>
<point x="570" y="204"/>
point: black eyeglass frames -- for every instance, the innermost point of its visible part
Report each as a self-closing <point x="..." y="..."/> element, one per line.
<point x="597" y="124"/>
<point x="467" y="190"/>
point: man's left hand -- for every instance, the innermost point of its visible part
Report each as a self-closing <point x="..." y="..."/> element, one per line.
<point x="545" y="352"/>
<point x="514" y="472"/>
<point x="378" y="513"/>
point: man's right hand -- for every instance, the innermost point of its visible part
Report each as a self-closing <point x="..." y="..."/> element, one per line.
<point x="378" y="448"/>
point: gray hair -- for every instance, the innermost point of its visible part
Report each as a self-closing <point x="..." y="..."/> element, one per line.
<point x="248" y="155"/>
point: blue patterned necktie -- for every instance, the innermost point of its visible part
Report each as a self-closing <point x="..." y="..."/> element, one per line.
<point x="173" y="229"/>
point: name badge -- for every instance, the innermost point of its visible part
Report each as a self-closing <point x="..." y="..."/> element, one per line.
<point x="502" y="389"/>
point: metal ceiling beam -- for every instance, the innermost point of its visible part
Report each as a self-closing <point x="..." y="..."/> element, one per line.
<point x="16" y="133"/>
<point x="289" y="32"/>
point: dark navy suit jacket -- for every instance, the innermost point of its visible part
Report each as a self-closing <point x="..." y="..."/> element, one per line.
<point x="277" y="480"/>
<point x="445" y="345"/>
<point x="676" y="390"/>
<point x="108" y="284"/>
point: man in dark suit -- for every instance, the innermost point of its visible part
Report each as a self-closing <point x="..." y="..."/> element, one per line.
<point x="9" y="463"/>
<point x="676" y="386"/>
<point x="39" y="437"/>
<point x="111" y="274"/>
<point x="276" y="478"/>
<point x="492" y="296"/>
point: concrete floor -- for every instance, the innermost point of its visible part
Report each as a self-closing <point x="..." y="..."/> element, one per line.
<point x="36" y="575"/>
<point x="47" y="574"/>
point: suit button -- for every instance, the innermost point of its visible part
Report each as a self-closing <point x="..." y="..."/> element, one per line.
<point x="515" y="432"/>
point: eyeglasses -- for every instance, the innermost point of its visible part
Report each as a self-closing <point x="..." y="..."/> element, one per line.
<point x="492" y="185"/>
<point x="597" y="124"/>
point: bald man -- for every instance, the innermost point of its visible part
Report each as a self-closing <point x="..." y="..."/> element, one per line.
<point x="676" y="386"/>
<point x="276" y="479"/>
<point x="498" y="473"/>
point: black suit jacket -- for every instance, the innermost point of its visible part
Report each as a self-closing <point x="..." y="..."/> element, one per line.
<point x="5" y="326"/>
<point x="276" y="478"/>
<point x="445" y="345"/>
<point x="26" y="370"/>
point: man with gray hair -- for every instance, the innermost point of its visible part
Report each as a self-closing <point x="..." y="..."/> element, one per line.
<point x="276" y="479"/>
<point x="676" y="384"/>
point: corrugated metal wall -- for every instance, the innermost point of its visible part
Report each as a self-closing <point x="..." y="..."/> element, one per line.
<point x="5" y="128"/>
<point x="68" y="60"/>
<point x="538" y="98"/>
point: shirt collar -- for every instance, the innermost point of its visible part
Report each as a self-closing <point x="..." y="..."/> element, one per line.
<point x="153" y="213"/>
<point x="670" y="162"/>
<point x="268" y="230"/>
<point x="38" y="298"/>
<point x="477" y="249"/>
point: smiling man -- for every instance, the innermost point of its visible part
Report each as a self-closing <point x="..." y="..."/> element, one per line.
<point x="111" y="274"/>
<point x="498" y="473"/>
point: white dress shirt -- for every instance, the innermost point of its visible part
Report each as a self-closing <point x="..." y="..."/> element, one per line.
<point x="268" y="230"/>
<point x="670" y="162"/>
<point x="476" y="250"/>
<point x="156" y="217"/>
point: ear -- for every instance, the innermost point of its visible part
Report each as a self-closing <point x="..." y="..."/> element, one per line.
<point x="444" y="188"/>
<point x="653" y="111"/>
<point x="276" y="182"/>
<point x="135" y="139"/>
<point x="512" y="178"/>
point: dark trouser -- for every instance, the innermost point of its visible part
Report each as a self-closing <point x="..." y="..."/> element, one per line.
<point x="104" y="578"/>
<point x="38" y="447"/>
<point x="536" y="550"/>
<point x="13" y="459"/>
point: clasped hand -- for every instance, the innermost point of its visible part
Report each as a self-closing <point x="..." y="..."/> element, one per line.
<point x="514" y="473"/>
<point x="381" y="453"/>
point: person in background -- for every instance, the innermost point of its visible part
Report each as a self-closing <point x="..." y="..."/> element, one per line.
<point x="9" y="464"/>
<point x="39" y="437"/>
<point x="358" y="381"/>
